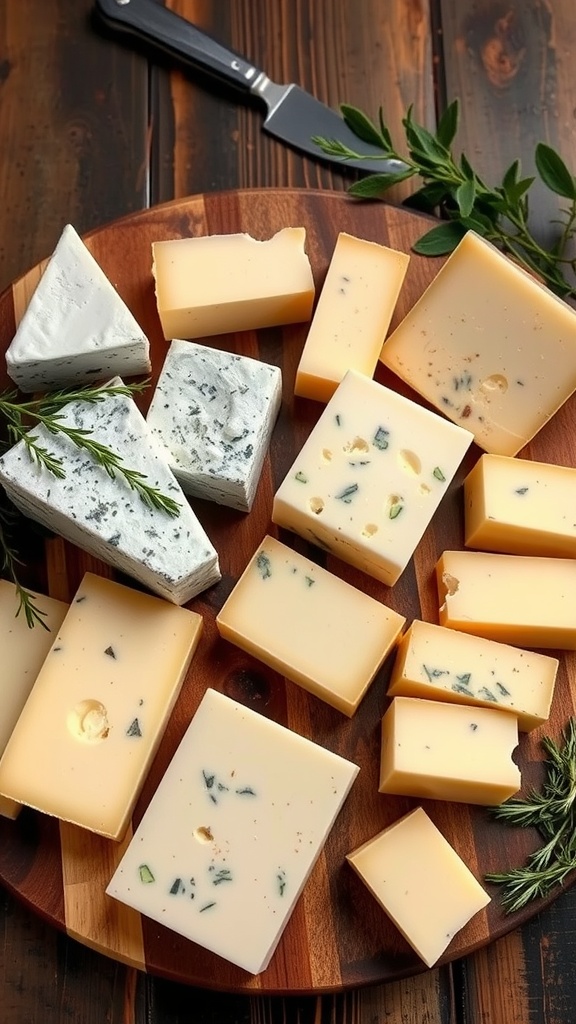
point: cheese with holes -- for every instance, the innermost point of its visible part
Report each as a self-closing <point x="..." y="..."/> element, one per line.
<point x="443" y="751"/>
<point x="352" y="316"/>
<point x="421" y="883"/>
<point x="370" y="477"/>
<point x="233" y="831"/>
<point x="517" y="599"/>
<point x="489" y="346"/>
<point x="213" y="284"/>
<point x="520" y="507"/>
<point x="86" y="737"/>
<point x="443" y="664"/>
<point x="76" y="329"/>
<point x="310" y="625"/>
<point x="24" y="649"/>
<point x="214" y="413"/>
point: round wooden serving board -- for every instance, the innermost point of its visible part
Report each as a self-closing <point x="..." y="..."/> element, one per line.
<point x="337" y="936"/>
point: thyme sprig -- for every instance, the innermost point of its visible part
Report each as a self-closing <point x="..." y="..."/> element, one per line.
<point x="552" y="811"/>
<point x="452" y="188"/>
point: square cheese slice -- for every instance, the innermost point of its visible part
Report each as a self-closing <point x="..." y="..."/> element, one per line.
<point x="76" y="328"/>
<point x="370" y="477"/>
<point x="310" y="625"/>
<point x="233" y="831"/>
<point x="489" y="346"/>
<point x="420" y="882"/>
<point x="87" y="734"/>
<point x="214" y="413"/>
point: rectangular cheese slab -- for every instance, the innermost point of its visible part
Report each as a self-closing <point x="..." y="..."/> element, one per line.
<point x="420" y="882"/>
<point x="370" y="477"/>
<point x="442" y="751"/>
<point x="214" y="412"/>
<point x="517" y="599"/>
<point x="213" y="284"/>
<point x="437" y="663"/>
<point x="76" y="329"/>
<point x="489" y="346"/>
<point x="520" y="507"/>
<point x="171" y="555"/>
<point x="310" y="625"/>
<point x="87" y="734"/>
<point x="352" y="316"/>
<point x="233" y="831"/>
<point x="23" y="650"/>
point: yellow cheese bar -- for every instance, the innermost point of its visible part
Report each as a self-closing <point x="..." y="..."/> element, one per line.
<point x="520" y="507"/>
<point x="23" y="649"/>
<point x="420" y="882"/>
<point x="310" y="625"/>
<point x="488" y="346"/>
<point x="517" y="599"/>
<point x="95" y="716"/>
<point x="447" y="665"/>
<point x="448" y="752"/>
<point x="352" y="315"/>
<point x="213" y="284"/>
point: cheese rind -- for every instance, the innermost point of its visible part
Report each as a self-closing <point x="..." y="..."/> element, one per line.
<point x="87" y="734"/>
<point x="448" y="752"/>
<point x="310" y="625"/>
<point x="447" y="665"/>
<point x="420" y="882"/>
<point x="213" y="284"/>
<point x="370" y="477"/>
<point x="352" y="315"/>
<point x="489" y="346"/>
<point x="233" y="831"/>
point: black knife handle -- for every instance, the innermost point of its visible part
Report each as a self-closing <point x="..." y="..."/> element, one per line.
<point x="157" y="25"/>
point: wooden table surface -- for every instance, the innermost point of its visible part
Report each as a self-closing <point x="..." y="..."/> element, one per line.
<point x="91" y="130"/>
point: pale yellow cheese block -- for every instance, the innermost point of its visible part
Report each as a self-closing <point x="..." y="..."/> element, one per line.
<point x="352" y="315"/>
<point x="443" y="664"/>
<point x="420" y="882"/>
<point x="88" y="732"/>
<point x="520" y="507"/>
<point x="213" y="284"/>
<point x="488" y="346"/>
<point x="517" y="599"/>
<point x="310" y="625"/>
<point x="448" y="752"/>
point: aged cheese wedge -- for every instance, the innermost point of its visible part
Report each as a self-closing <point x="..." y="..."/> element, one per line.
<point x="233" y="831"/>
<point x="86" y="737"/>
<point x="352" y="316"/>
<point x="76" y="328"/>
<point x="517" y="599"/>
<point x="420" y="882"/>
<point x="445" y="664"/>
<point x="214" y="413"/>
<point x="370" y="477"/>
<point x="310" y="625"/>
<point x="212" y="284"/>
<point x="489" y="346"/>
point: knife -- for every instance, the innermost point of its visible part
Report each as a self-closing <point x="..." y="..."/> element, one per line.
<point x="294" y="115"/>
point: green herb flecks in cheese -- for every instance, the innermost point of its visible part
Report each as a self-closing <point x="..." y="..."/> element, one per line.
<point x="134" y="728"/>
<point x="264" y="566"/>
<point x="145" y="875"/>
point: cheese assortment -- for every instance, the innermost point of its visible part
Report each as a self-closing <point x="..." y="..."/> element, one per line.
<point x="233" y="831"/>
<point x="214" y="412"/>
<point x="76" y="329"/>
<point x="309" y="625"/>
<point x="91" y="725"/>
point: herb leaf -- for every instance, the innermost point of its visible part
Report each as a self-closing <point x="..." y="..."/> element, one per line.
<point x="554" y="172"/>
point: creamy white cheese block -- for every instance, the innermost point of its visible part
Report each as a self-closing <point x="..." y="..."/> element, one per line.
<point x="76" y="328"/>
<point x="214" y="413"/>
<point x="171" y="555"/>
<point x="233" y="831"/>
<point x="370" y="477"/>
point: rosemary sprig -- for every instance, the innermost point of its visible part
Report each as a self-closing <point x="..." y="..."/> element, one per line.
<point x="452" y="188"/>
<point x="8" y="561"/>
<point x="552" y="811"/>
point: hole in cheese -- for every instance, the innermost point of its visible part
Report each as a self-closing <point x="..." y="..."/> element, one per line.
<point x="88" y="721"/>
<point x="316" y="505"/>
<point x="495" y="382"/>
<point x="359" y="444"/>
<point x="450" y="584"/>
<point x="409" y="462"/>
<point x="203" y="834"/>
